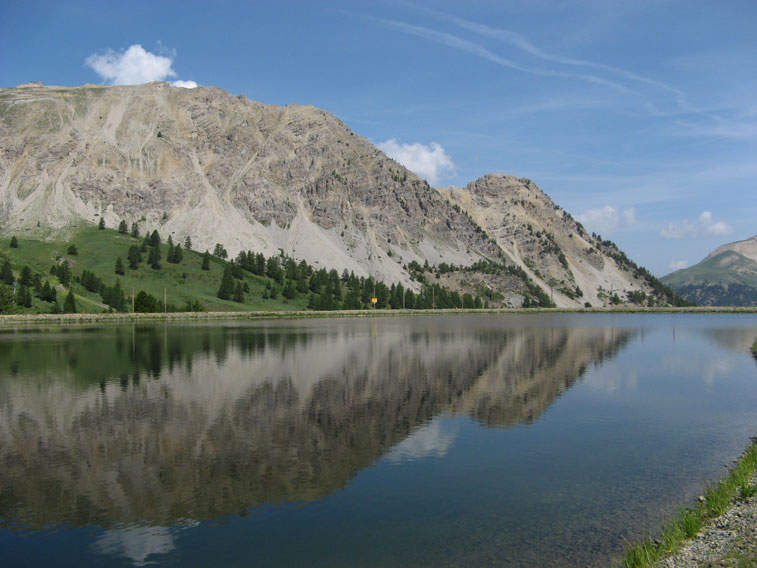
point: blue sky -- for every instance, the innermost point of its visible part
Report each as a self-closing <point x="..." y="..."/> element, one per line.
<point x="638" y="117"/>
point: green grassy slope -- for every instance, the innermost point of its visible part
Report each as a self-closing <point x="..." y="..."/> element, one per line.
<point x="728" y="278"/>
<point x="97" y="253"/>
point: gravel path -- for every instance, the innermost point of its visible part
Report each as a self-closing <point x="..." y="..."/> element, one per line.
<point x="729" y="540"/>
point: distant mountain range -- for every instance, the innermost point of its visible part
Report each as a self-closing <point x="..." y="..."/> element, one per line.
<point x="223" y="169"/>
<point x="726" y="277"/>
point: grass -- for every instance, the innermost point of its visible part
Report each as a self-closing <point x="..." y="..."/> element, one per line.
<point x="754" y="348"/>
<point x="686" y="523"/>
<point x="97" y="252"/>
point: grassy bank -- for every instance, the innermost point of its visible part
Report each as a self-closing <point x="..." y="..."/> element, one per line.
<point x="105" y="317"/>
<point x="688" y="522"/>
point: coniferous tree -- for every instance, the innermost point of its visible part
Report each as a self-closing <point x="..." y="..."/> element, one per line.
<point x="154" y="258"/>
<point x="135" y="230"/>
<point x="188" y="243"/>
<point x="101" y="224"/>
<point x="7" y="305"/>
<point x="178" y="254"/>
<point x="72" y="250"/>
<point x="145" y="302"/>
<point x="239" y="293"/>
<point x="63" y="273"/>
<point x="122" y="227"/>
<point x="289" y="291"/>
<point x="226" y="289"/>
<point x="134" y="256"/>
<point x="69" y="306"/>
<point x="6" y="273"/>
<point x="154" y="239"/>
<point x="206" y="261"/>
<point x="56" y="309"/>
<point x="119" y="266"/>
<point x="14" y="242"/>
<point x="26" y="276"/>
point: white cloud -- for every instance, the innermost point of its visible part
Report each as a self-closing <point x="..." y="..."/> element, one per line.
<point x="629" y="216"/>
<point x="678" y="265"/>
<point x="134" y="66"/>
<point x="607" y="219"/>
<point x="185" y="84"/>
<point x="704" y="226"/>
<point x="430" y="162"/>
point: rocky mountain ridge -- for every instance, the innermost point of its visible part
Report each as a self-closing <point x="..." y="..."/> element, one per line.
<point x="223" y="169"/>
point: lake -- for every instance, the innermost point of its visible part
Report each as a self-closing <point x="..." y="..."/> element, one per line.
<point x="460" y="440"/>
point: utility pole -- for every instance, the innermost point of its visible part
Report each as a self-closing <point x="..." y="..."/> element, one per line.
<point x="132" y="299"/>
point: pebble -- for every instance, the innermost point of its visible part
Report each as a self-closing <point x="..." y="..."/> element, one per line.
<point x="728" y="540"/>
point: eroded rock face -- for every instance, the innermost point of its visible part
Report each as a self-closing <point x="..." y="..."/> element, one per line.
<point x="223" y="169"/>
<point x="545" y="241"/>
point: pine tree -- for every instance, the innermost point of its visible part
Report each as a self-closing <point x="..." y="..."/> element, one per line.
<point x="123" y="227"/>
<point x="289" y="291"/>
<point x="6" y="300"/>
<point x="188" y="243"/>
<point x="6" y="273"/>
<point x="154" y="258"/>
<point x="14" y="242"/>
<point x="119" y="266"/>
<point x="26" y="276"/>
<point x="134" y="256"/>
<point x="239" y="293"/>
<point x="154" y="239"/>
<point x="226" y="289"/>
<point x="64" y="273"/>
<point x="206" y="261"/>
<point x="72" y="250"/>
<point x="69" y="306"/>
<point x="135" y="230"/>
<point x="56" y="308"/>
<point x="101" y="224"/>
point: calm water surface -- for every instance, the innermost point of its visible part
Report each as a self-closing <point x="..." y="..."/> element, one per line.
<point x="513" y="440"/>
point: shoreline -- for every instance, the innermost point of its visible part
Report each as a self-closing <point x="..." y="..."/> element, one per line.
<point x="719" y="530"/>
<point x="105" y="317"/>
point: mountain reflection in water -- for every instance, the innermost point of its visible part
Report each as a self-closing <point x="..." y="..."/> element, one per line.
<point x="157" y="425"/>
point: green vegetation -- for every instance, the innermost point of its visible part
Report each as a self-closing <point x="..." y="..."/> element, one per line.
<point x="754" y="348"/>
<point x="661" y="292"/>
<point x="166" y="277"/>
<point x="687" y="522"/>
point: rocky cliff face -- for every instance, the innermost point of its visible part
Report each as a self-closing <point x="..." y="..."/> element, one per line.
<point x="545" y="241"/>
<point x="223" y="169"/>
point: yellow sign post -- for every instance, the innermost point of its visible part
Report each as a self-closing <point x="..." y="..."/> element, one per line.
<point x="374" y="301"/>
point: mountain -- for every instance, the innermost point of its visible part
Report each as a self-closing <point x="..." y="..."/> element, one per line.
<point x="223" y="169"/>
<point x="726" y="277"/>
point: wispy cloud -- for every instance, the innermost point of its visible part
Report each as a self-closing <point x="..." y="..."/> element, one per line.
<point x="134" y="66"/>
<point x="430" y="162"/>
<point x="605" y="220"/>
<point x="456" y="42"/>
<point x="518" y="41"/>
<point x="678" y="265"/>
<point x="704" y="226"/>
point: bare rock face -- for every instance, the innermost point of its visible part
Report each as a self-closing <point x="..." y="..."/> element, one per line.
<point x="545" y="241"/>
<point x="223" y="169"/>
<point x="220" y="169"/>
